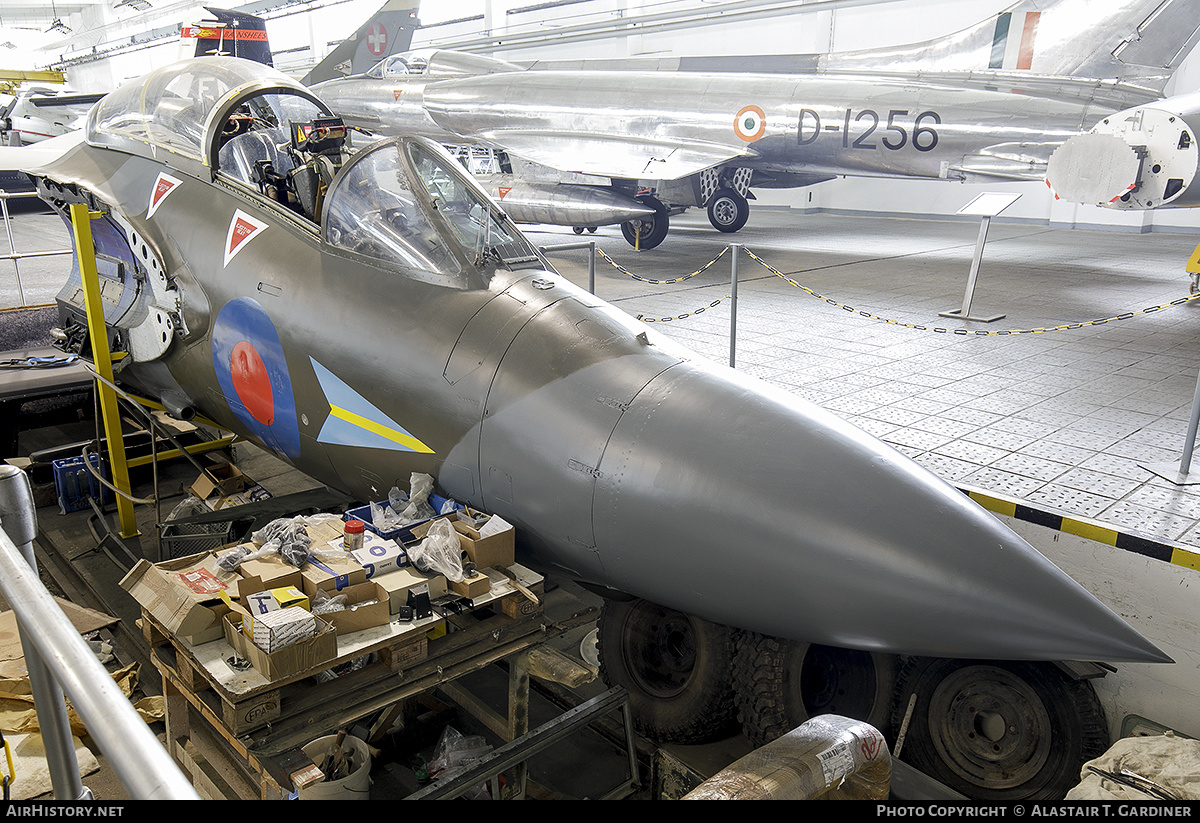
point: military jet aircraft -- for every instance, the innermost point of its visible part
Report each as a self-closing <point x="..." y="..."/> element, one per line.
<point x="38" y="113"/>
<point x="367" y="313"/>
<point x="989" y="103"/>
<point x="387" y="31"/>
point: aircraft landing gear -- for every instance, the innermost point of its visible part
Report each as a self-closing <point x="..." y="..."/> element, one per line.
<point x="728" y="210"/>
<point x="582" y="229"/>
<point x="647" y="232"/>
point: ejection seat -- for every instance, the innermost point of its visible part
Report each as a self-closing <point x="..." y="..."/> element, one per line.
<point x="317" y="149"/>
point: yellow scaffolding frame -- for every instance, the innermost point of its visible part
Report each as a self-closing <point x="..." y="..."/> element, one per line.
<point x="103" y="359"/>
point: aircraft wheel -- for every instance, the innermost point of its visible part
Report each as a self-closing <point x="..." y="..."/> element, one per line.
<point x="781" y="683"/>
<point x="999" y="731"/>
<point x="676" y="668"/>
<point x="647" y="232"/>
<point x="577" y="229"/>
<point x="728" y="210"/>
<point x="592" y="229"/>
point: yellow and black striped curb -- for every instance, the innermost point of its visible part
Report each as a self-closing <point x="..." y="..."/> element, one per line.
<point x="1135" y="543"/>
<point x="980" y="332"/>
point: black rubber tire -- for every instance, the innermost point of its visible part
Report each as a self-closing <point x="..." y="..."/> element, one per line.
<point x="577" y="229"/>
<point x="677" y="668"/>
<point x="779" y="684"/>
<point x="728" y="211"/>
<point x="653" y="229"/>
<point x="998" y="731"/>
<point x="592" y="229"/>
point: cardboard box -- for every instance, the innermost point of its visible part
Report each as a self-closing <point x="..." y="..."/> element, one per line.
<point x="330" y="575"/>
<point x="356" y="617"/>
<point x="498" y="549"/>
<point x="273" y="571"/>
<point x="277" y="629"/>
<point x="226" y="479"/>
<point x="261" y="602"/>
<point x="495" y="550"/>
<point x="474" y="586"/>
<point x="396" y="584"/>
<point x="298" y="657"/>
<point x="378" y="556"/>
<point x="325" y="531"/>
<point x="183" y="595"/>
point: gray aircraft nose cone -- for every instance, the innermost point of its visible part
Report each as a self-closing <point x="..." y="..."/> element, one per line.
<point x="742" y="504"/>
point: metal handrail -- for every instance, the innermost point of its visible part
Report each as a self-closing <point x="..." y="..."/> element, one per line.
<point x="13" y="254"/>
<point x="60" y="661"/>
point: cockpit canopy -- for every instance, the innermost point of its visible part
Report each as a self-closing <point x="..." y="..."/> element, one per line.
<point x="403" y="204"/>
<point x="179" y="114"/>
<point x="407" y="203"/>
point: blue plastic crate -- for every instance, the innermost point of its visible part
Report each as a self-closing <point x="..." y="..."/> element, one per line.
<point x="400" y="534"/>
<point x="74" y="484"/>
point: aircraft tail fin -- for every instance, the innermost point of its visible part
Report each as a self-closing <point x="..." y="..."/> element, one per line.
<point x="230" y="34"/>
<point x="1139" y="43"/>
<point x="386" y="32"/>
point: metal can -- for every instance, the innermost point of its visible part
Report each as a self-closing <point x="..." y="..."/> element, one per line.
<point x="352" y="534"/>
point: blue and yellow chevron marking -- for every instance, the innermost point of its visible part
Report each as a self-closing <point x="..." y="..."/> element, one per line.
<point x="355" y="421"/>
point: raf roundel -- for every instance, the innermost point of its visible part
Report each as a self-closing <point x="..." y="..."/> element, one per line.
<point x="750" y="123"/>
<point x="253" y="374"/>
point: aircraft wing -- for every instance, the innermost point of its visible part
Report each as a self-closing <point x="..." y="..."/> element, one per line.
<point x="33" y="157"/>
<point x="625" y="156"/>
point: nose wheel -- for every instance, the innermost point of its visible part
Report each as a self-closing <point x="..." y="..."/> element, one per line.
<point x="647" y="232"/>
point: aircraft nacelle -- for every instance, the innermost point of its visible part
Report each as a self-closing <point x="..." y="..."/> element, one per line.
<point x="1146" y="157"/>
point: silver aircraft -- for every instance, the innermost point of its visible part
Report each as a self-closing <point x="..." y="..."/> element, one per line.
<point x="370" y="313"/>
<point x="991" y="102"/>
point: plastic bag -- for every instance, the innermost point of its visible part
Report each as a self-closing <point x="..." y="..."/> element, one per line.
<point x="323" y="603"/>
<point x="232" y="559"/>
<point x="439" y="552"/>
<point x="401" y="508"/>
<point x="189" y="506"/>
<point x="287" y="536"/>
<point x="455" y="749"/>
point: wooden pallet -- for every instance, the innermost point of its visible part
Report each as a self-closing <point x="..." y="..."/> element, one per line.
<point x="259" y="720"/>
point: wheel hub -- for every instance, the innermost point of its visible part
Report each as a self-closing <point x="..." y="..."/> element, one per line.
<point x="992" y="729"/>
<point x="725" y="211"/>
<point x="664" y="648"/>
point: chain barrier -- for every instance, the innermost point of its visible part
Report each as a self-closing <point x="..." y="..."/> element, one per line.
<point x="870" y="315"/>
<point x="700" y="310"/>
<point x="638" y="277"/>
<point x="980" y="332"/>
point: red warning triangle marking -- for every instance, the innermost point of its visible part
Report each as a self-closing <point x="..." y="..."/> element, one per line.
<point x="504" y="190"/>
<point x="241" y="229"/>
<point x="164" y="185"/>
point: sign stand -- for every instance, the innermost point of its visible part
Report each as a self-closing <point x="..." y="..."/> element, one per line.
<point x="986" y="206"/>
